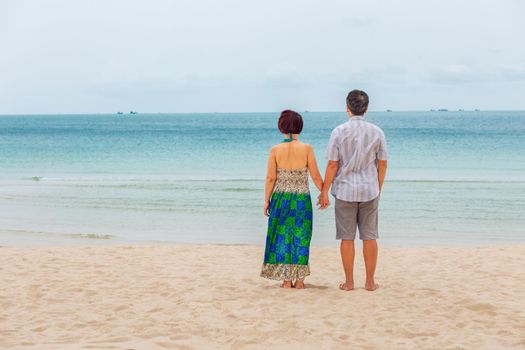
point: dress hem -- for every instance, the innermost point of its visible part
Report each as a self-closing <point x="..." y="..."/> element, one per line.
<point x="281" y="272"/>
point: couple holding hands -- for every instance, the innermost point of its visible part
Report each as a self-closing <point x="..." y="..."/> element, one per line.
<point x="357" y="161"/>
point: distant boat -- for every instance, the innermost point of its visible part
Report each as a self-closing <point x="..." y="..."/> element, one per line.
<point x="432" y="110"/>
<point x="389" y="110"/>
<point x="477" y="110"/>
<point x="306" y="111"/>
<point x="442" y="110"/>
<point x="133" y="112"/>
<point x="461" y="110"/>
<point x="120" y="113"/>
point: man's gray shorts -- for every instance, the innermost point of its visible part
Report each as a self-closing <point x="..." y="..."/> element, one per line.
<point x="351" y="215"/>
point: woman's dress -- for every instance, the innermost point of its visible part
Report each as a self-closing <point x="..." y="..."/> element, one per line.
<point x="289" y="227"/>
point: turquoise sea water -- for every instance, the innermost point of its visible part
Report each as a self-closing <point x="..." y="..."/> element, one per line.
<point x="453" y="177"/>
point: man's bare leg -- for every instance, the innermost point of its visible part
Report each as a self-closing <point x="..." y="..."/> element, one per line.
<point x="347" y="255"/>
<point x="370" y="255"/>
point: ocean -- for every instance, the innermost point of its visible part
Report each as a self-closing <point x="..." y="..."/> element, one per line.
<point x="454" y="178"/>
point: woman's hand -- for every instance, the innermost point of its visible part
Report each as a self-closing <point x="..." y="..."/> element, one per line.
<point x="323" y="202"/>
<point x="267" y="208"/>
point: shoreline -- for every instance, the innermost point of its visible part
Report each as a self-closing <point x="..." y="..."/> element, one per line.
<point x="126" y="244"/>
<point x="29" y="239"/>
<point x="196" y="296"/>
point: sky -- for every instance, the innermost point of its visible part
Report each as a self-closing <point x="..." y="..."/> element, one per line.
<point x="103" y="56"/>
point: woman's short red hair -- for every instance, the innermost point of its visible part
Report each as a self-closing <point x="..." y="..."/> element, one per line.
<point x="290" y="122"/>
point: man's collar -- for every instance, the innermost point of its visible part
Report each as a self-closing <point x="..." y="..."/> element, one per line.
<point x="357" y="117"/>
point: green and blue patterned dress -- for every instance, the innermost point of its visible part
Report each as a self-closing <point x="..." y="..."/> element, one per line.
<point x="289" y="227"/>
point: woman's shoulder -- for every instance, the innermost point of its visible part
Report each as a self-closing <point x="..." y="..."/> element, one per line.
<point x="281" y="145"/>
<point x="305" y="145"/>
<point x="275" y="147"/>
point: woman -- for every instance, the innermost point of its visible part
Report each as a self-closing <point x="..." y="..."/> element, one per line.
<point x="288" y="205"/>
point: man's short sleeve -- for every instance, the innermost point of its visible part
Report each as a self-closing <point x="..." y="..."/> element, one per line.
<point x="382" y="152"/>
<point x="332" y="152"/>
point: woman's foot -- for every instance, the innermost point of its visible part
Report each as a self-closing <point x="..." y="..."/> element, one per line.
<point x="347" y="286"/>
<point x="286" y="284"/>
<point x="371" y="286"/>
<point x="299" y="284"/>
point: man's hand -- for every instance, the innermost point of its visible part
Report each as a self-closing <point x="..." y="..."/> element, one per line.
<point x="322" y="201"/>
<point x="331" y="171"/>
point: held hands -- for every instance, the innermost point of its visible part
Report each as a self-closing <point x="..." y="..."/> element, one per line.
<point x="322" y="201"/>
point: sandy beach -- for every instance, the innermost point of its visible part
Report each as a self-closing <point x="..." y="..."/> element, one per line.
<point x="195" y="297"/>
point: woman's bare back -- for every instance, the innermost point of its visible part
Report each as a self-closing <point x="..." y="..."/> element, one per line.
<point x="291" y="155"/>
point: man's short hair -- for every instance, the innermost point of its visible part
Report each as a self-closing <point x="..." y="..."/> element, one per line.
<point x="357" y="102"/>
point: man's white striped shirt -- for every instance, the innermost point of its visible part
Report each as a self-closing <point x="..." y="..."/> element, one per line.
<point x="357" y="145"/>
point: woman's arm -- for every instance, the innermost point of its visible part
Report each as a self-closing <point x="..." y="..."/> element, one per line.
<point x="271" y="177"/>
<point x="313" y="169"/>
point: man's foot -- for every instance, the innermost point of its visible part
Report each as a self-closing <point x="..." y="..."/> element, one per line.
<point x="286" y="284"/>
<point x="347" y="286"/>
<point x="299" y="284"/>
<point x="371" y="286"/>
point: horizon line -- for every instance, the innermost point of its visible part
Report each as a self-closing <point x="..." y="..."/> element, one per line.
<point x="264" y="112"/>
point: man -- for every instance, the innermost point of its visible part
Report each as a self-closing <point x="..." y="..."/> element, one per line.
<point x="356" y="169"/>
